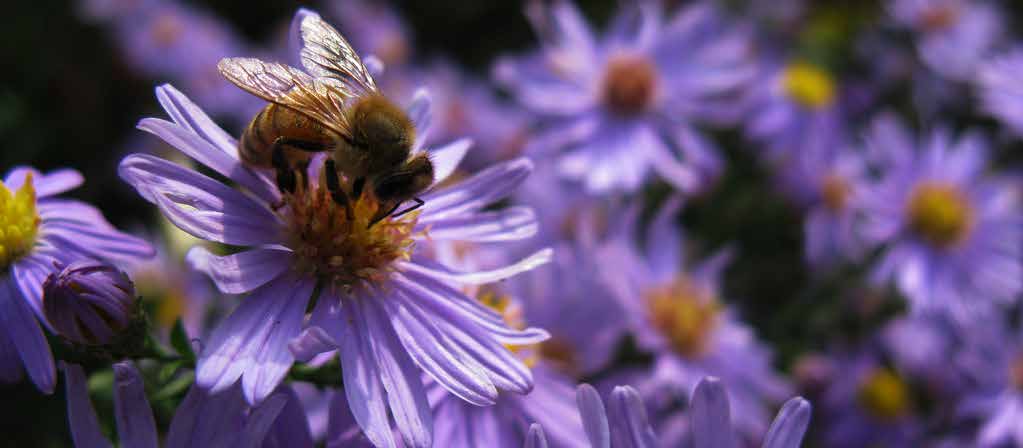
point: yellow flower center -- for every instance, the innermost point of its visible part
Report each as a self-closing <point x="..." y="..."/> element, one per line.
<point x="559" y="354"/>
<point x="630" y="84"/>
<point x="19" y="222"/>
<point x="808" y="85"/>
<point x="835" y="192"/>
<point x="686" y="315"/>
<point x="503" y="305"/>
<point x="884" y="394"/>
<point x="340" y="250"/>
<point x="939" y="213"/>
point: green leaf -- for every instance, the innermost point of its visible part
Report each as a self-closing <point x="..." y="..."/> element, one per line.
<point x="167" y="371"/>
<point x="175" y="388"/>
<point x="179" y="340"/>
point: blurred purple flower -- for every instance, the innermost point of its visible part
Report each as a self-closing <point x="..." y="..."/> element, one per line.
<point x="953" y="236"/>
<point x="953" y="36"/>
<point x="829" y="182"/>
<point x="676" y="313"/>
<point x="869" y="403"/>
<point x="375" y="28"/>
<point x="389" y="320"/>
<point x="996" y="361"/>
<point x="200" y="420"/>
<point x="1000" y="92"/>
<point x="506" y="424"/>
<point x="709" y="412"/>
<point x="795" y="108"/>
<point x="40" y="232"/>
<point x="167" y="39"/>
<point x="617" y="107"/>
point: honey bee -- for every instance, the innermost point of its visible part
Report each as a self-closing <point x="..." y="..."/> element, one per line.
<point x="333" y="106"/>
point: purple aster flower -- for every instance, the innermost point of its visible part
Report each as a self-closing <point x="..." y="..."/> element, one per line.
<point x="38" y="232"/>
<point x="388" y="311"/>
<point x="171" y="40"/>
<point x="466" y="106"/>
<point x="995" y="360"/>
<point x="506" y="424"/>
<point x="711" y="423"/>
<point x="626" y="424"/>
<point x="1000" y="93"/>
<point x="828" y="182"/>
<point x="953" y="236"/>
<point x="870" y="403"/>
<point x="675" y="313"/>
<point x="953" y="36"/>
<point x="625" y="104"/>
<point x="201" y="419"/>
<point x="794" y="108"/>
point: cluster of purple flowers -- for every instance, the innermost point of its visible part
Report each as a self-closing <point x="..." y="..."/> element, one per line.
<point x="553" y="261"/>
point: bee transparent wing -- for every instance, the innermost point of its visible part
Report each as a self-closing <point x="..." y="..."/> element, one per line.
<point x="287" y="86"/>
<point x="325" y="53"/>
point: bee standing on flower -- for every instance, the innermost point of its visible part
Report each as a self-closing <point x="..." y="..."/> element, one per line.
<point x="336" y="108"/>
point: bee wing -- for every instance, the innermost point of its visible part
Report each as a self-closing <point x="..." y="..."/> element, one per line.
<point x="322" y="101"/>
<point x="325" y="53"/>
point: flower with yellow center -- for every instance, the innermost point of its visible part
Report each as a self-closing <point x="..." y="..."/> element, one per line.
<point x="339" y="249"/>
<point x="19" y="222"/>
<point x="503" y="305"/>
<point x="884" y="394"/>
<point x="686" y="315"/>
<point x="808" y="85"/>
<point x="939" y="213"/>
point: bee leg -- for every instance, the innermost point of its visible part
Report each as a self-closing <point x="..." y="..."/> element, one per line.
<point x="419" y="203"/>
<point x="357" y="187"/>
<point x="380" y="216"/>
<point x="334" y="187"/>
<point x="286" y="181"/>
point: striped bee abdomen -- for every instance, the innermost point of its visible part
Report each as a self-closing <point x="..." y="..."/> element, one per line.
<point x="274" y="121"/>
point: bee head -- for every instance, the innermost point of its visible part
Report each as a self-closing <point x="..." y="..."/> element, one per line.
<point x="384" y="129"/>
<point x="411" y="178"/>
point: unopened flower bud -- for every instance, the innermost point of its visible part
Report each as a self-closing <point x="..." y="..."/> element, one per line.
<point x="89" y="302"/>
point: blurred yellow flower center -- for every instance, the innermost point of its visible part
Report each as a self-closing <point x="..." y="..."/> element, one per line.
<point x="808" y="85"/>
<point x="341" y="250"/>
<point x="502" y="304"/>
<point x="560" y="354"/>
<point x="630" y="84"/>
<point x="939" y="213"/>
<point x="686" y="315"/>
<point x="884" y="394"/>
<point x="835" y="192"/>
<point x="19" y="222"/>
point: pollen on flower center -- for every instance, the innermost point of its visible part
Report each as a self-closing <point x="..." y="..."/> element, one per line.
<point x="167" y="29"/>
<point x="939" y="17"/>
<point x="835" y="192"/>
<point x="630" y="84"/>
<point x="19" y="222"/>
<point x="686" y="315"/>
<point x="884" y="394"/>
<point x="340" y="251"/>
<point x="808" y="85"/>
<point x="1016" y="372"/>
<point x="939" y="213"/>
